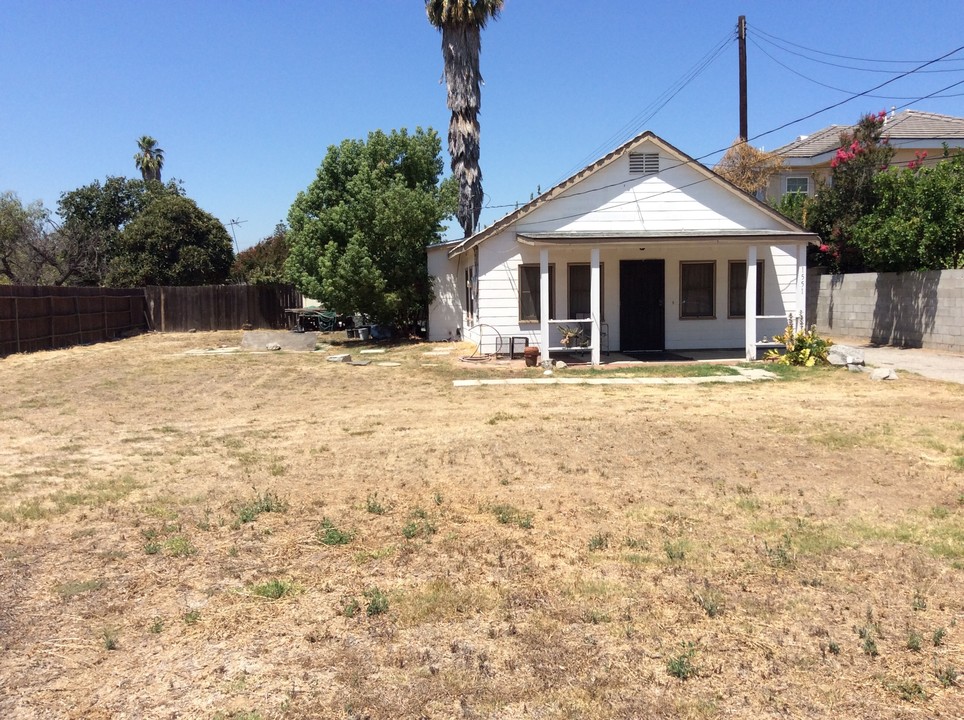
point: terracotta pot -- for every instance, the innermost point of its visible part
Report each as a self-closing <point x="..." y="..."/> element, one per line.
<point x="531" y="355"/>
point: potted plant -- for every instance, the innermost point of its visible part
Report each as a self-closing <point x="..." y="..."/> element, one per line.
<point x="572" y="336"/>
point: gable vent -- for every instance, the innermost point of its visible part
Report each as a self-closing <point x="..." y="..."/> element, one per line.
<point x="644" y="163"/>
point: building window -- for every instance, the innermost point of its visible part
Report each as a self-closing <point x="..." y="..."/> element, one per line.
<point x="579" y="292"/>
<point x="697" y="289"/>
<point x="529" y="297"/>
<point x="738" y="288"/>
<point x="644" y="163"/>
<point x="798" y="185"/>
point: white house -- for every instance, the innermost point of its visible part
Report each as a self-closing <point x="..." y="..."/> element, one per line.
<point x="646" y="249"/>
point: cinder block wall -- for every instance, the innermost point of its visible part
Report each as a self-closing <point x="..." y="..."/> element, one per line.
<point x="912" y="309"/>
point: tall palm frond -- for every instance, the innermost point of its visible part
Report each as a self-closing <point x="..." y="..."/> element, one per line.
<point x="150" y="159"/>
<point x="461" y="23"/>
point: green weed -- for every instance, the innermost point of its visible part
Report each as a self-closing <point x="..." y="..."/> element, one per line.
<point x="266" y="502"/>
<point x="328" y="534"/>
<point x="675" y="550"/>
<point x="72" y="589"/>
<point x="374" y="505"/>
<point x="180" y="546"/>
<point x="947" y="676"/>
<point x="377" y="602"/>
<point x="681" y="666"/>
<point x="509" y="515"/>
<point x="599" y="541"/>
<point x="273" y="589"/>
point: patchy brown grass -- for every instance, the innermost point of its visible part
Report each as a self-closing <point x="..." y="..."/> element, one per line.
<point x="275" y="536"/>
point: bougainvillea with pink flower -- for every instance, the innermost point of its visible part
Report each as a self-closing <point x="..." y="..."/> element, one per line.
<point x="863" y="152"/>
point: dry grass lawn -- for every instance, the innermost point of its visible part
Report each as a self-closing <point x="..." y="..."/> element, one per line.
<point x="276" y="536"/>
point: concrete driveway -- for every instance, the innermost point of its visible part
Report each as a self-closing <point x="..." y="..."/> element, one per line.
<point x="935" y="364"/>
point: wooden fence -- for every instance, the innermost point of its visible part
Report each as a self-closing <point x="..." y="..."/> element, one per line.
<point x="44" y="318"/>
<point x="219" y="307"/>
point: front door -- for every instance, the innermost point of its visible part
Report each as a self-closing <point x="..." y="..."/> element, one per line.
<point x="642" y="322"/>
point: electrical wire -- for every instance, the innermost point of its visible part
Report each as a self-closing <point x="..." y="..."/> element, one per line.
<point x="845" y="57"/>
<point x="880" y="71"/>
<point x="831" y="87"/>
<point x="853" y="96"/>
<point x="631" y="127"/>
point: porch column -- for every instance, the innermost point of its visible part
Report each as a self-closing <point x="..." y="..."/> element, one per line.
<point x="802" y="283"/>
<point x="544" y="303"/>
<point x="596" y="316"/>
<point x="750" y="308"/>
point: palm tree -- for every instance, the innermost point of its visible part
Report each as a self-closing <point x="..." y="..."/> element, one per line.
<point x="461" y="23"/>
<point x="150" y="159"/>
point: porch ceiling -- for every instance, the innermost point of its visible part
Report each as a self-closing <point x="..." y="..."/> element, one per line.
<point x="686" y="237"/>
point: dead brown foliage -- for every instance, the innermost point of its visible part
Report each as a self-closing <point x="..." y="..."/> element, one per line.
<point x="569" y="542"/>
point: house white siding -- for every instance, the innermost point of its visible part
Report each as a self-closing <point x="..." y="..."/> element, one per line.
<point x="445" y="314"/>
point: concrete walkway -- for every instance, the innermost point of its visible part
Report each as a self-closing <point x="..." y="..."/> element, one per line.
<point x="935" y="364"/>
<point x="745" y="375"/>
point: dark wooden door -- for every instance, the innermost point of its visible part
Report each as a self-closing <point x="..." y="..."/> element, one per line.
<point x="642" y="323"/>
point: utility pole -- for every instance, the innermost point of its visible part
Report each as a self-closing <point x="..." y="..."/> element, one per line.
<point x="741" y="36"/>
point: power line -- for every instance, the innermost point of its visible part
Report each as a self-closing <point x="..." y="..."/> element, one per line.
<point x="763" y="134"/>
<point x="880" y="71"/>
<point x="631" y="128"/>
<point x="831" y="87"/>
<point x="845" y="57"/>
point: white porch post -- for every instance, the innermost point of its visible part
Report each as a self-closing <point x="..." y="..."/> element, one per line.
<point x="750" y="308"/>
<point x="594" y="304"/>
<point x="544" y="303"/>
<point x="802" y="283"/>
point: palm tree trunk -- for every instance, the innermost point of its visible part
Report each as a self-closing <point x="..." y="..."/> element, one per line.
<point x="461" y="46"/>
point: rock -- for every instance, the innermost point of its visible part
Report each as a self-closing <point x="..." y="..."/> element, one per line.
<point x="547" y="373"/>
<point x="844" y="355"/>
<point x="560" y="365"/>
<point x="272" y="346"/>
<point x="192" y="330"/>
<point x="346" y="358"/>
<point x="856" y="368"/>
<point x="883" y="374"/>
<point x="247" y="326"/>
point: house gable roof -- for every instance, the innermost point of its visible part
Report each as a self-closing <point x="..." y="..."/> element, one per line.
<point x="905" y="125"/>
<point x="605" y="161"/>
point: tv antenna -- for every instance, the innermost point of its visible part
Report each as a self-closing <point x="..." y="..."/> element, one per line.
<point x="233" y="224"/>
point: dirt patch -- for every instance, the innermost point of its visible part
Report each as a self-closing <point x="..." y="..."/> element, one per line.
<point x="276" y="536"/>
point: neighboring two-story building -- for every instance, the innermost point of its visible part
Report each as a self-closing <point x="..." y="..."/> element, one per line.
<point x="807" y="158"/>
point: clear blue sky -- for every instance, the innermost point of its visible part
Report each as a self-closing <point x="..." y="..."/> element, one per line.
<point x="246" y="96"/>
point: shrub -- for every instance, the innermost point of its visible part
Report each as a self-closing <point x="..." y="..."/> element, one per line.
<point x="801" y="347"/>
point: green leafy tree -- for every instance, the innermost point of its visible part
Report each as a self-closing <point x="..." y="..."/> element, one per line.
<point x="95" y="214"/>
<point x="171" y="242"/>
<point x="838" y="207"/>
<point x="149" y="159"/>
<point x="918" y="220"/>
<point x="359" y="232"/>
<point x="25" y="241"/>
<point x="461" y="23"/>
<point x="263" y="264"/>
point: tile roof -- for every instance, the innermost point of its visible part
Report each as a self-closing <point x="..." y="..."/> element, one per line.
<point x="905" y="125"/>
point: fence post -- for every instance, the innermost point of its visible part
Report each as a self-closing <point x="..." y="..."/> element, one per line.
<point x="16" y="319"/>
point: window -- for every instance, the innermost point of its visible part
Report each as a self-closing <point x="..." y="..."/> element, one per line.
<point x="697" y="289"/>
<point x="529" y="297"/>
<point x="738" y="288"/>
<point x="798" y="185"/>
<point x="579" y="292"/>
<point x="470" y="293"/>
<point x="644" y="163"/>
